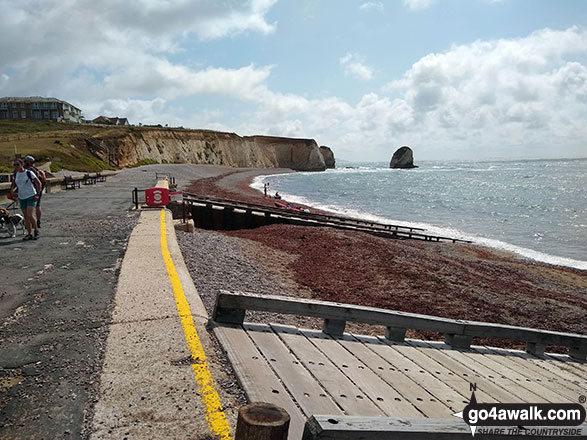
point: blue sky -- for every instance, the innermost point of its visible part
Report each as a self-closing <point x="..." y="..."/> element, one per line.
<point x="451" y="78"/>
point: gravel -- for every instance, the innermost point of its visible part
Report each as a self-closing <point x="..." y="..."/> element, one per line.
<point x="219" y="262"/>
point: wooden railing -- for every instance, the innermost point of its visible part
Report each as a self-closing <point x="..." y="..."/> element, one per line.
<point x="231" y="307"/>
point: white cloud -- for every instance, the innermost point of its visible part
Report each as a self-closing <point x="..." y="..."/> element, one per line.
<point x="416" y="5"/>
<point x="354" y="65"/>
<point x="525" y="96"/>
<point x="107" y="50"/>
<point x="372" y="6"/>
<point x="522" y="97"/>
<point x="529" y="91"/>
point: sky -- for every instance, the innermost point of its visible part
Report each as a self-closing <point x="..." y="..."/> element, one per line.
<point x="452" y="79"/>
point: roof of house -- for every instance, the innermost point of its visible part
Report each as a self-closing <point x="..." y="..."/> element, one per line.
<point x="111" y="121"/>
<point x="35" y="99"/>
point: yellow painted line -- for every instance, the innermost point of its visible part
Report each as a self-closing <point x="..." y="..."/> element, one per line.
<point x="213" y="408"/>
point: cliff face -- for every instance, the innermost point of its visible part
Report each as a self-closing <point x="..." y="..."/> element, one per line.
<point x="328" y="156"/>
<point x="214" y="148"/>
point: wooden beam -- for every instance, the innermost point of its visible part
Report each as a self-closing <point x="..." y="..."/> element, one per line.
<point x="227" y="301"/>
<point x="324" y="427"/>
<point x="230" y="308"/>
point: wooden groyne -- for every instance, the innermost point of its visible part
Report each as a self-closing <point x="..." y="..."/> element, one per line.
<point x="225" y="214"/>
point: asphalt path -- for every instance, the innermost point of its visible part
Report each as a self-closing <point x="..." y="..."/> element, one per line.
<point x="56" y="301"/>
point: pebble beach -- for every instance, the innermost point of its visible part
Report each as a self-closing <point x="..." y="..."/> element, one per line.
<point x="452" y="280"/>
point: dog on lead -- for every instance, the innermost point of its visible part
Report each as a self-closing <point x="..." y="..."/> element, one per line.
<point x="11" y="222"/>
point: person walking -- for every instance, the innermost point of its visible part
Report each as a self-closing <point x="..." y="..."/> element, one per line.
<point x="29" y="162"/>
<point x="29" y="186"/>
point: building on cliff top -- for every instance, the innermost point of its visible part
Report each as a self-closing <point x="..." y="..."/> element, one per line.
<point x="110" y="121"/>
<point x="37" y="108"/>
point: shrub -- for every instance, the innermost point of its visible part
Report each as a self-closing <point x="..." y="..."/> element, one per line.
<point x="55" y="167"/>
<point x="146" y="161"/>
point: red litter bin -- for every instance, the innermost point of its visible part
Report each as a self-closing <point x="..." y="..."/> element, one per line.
<point x="157" y="196"/>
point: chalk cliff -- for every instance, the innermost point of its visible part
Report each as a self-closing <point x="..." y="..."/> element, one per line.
<point x="211" y="147"/>
<point x="328" y="156"/>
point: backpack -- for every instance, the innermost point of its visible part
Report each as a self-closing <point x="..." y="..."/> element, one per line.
<point x="40" y="174"/>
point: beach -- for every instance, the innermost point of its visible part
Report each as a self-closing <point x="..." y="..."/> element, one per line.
<point x="60" y="294"/>
<point x="452" y="280"/>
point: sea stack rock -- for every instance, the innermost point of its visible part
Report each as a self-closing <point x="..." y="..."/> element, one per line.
<point x="328" y="156"/>
<point x="403" y="158"/>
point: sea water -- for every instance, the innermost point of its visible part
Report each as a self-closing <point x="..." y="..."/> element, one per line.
<point x="535" y="208"/>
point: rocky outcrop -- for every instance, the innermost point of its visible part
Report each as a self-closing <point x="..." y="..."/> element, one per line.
<point x="328" y="156"/>
<point x="135" y="145"/>
<point x="403" y="158"/>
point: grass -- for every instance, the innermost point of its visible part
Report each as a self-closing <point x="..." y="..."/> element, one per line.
<point x="146" y="161"/>
<point x="14" y="127"/>
<point x="66" y="149"/>
<point x="63" y="143"/>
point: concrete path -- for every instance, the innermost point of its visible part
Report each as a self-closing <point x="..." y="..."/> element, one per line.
<point x="56" y="302"/>
<point x="148" y="388"/>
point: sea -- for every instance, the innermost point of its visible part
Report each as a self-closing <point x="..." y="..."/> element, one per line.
<point x="534" y="208"/>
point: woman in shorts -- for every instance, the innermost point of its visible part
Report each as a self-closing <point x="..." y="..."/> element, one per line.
<point x="29" y="187"/>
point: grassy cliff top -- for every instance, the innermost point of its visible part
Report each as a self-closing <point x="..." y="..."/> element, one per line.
<point x="60" y="143"/>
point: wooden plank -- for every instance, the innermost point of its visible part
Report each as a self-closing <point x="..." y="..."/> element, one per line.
<point x="496" y="391"/>
<point x="511" y="372"/>
<point x="384" y="428"/>
<point x="534" y="371"/>
<point x="308" y="392"/>
<point x="516" y="390"/>
<point x="554" y="366"/>
<point x="577" y="367"/>
<point x="255" y="375"/>
<point x="449" y="397"/>
<point x="429" y="405"/>
<point x="337" y="385"/>
<point x="440" y="372"/>
<point x="372" y="386"/>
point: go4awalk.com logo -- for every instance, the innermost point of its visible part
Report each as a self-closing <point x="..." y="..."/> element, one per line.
<point x="548" y="419"/>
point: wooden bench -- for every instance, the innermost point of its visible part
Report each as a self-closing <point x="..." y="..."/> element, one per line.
<point x="100" y="178"/>
<point x="89" y="180"/>
<point x="231" y="307"/>
<point x="71" y="183"/>
<point x="383" y="428"/>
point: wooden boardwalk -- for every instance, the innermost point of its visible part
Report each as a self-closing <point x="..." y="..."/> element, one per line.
<point x="308" y="372"/>
<point x="330" y="372"/>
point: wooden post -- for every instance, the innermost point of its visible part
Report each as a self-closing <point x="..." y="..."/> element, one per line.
<point x="535" y="348"/>
<point x="458" y="341"/>
<point x="262" y="421"/>
<point x="334" y="327"/>
<point x="396" y="334"/>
